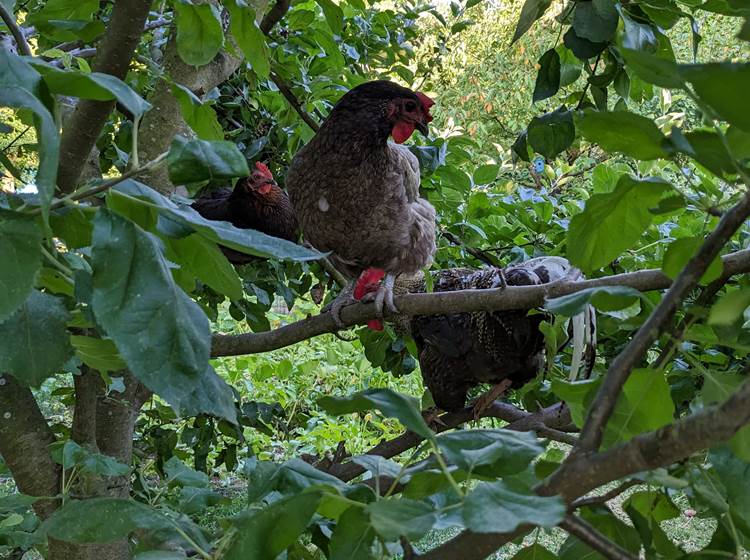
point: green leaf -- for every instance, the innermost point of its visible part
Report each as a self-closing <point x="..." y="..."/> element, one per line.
<point x="191" y="161"/>
<point x="534" y="552"/>
<point x="101" y="520"/>
<point x="266" y="533"/>
<point x="196" y="500"/>
<point x="49" y="140"/>
<point x="680" y="251"/>
<point x="595" y="20"/>
<point x="552" y="133"/>
<point x="39" y="323"/>
<point x="333" y="14"/>
<point x="203" y="258"/>
<point x="591" y="244"/>
<point x="249" y="37"/>
<point x="570" y="66"/>
<point x="607" y="524"/>
<point x="490" y="452"/>
<point x="730" y="307"/>
<point x="393" y="518"/>
<point x="20" y="244"/>
<point x="390" y="403"/>
<point x="621" y="131"/>
<point x="734" y="474"/>
<point x="500" y="507"/>
<point x="548" y="77"/>
<point x="72" y="225"/>
<point x="604" y="298"/>
<point x="199" y="32"/>
<point x="353" y="536"/>
<point x="199" y="116"/>
<point x="98" y="353"/>
<point x="722" y="86"/>
<point x="141" y="309"/>
<point x="718" y="387"/>
<point x="707" y="148"/>
<point x="577" y="395"/>
<point x="486" y="174"/>
<point x="180" y="474"/>
<point x="248" y="241"/>
<point x="532" y="10"/>
<point x="582" y="48"/>
<point x="73" y="455"/>
<point x="637" y="36"/>
<point x="645" y="404"/>
<point x="653" y="68"/>
<point x="93" y="85"/>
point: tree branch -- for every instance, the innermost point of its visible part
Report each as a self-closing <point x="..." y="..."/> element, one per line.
<point x="632" y="354"/>
<point x="274" y="15"/>
<point x="594" y="539"/>
<point x="24" y="441"/>
<point x="660" y="448"/>
<point x="286" y="91"/>
<point x="21" y="45"/>
<point x="512" y="297"/>
<point x="607" y="496"/>
<point x="84" y="125"/>
<point x="551" y="419"/>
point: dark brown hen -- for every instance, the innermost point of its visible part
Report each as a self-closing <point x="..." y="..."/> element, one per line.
<point x="459" y="351"/>
<point x="357" y="194"/>
<point x="256" y="202"/>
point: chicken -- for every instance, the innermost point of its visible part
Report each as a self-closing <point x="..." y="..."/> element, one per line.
<point x="459" y="351"/>
<point x="256" y="202"/>
<point x="356" y="194"/>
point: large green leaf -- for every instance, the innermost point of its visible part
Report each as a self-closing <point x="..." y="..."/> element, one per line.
<point x="98" y="353"/>
<point x="393" y="518"/>
<point x="730" y="307"/>
<point x="390" y="403"/>
<point x="49" y="140"/>
<point x="679" y="253"/>
<point x="101" y="520"/>
<point x="161" y="333"/>
<point x="490" y="452"/>
<point x="249" y="37"/>
<point x="207" y="263"/>
<point x="532" y="10"/>
<point x="500" y="507"/>
<point x="199" y="32"/>
<point x="604" y="298"/>
<point x="595" y="20"/>
<point x="247" y="241"/>
<point x="20" y="244"/>
<point x="653" y="69"/>
<point x="624" y="132"/>
<point x="613" y="222"/>
<point x="73" y="455"/>
<point x="33" y="340"/>
<point x="722" y="86"/>
<point x="718" y="387"/>
<point x="199" y="116"/>
<point x="266" y="533"/>
<point x="92" y="85"/>
<point x="548" y="77"/>
<point x="534" y="552"/>
<point x="333" y="14"/>
<point x="191" y="161"/>
<point x="552" y="133"/>
<point x="734" y="473"/>
<point x="15" y="71"/>
<point x="353" y="536"/>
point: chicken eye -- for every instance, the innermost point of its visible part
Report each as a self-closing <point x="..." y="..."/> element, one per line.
<point x="410" y="106"/>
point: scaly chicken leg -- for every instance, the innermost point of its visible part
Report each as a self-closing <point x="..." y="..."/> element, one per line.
<point x="344" y="299"/>
<point x="383" y="296"/>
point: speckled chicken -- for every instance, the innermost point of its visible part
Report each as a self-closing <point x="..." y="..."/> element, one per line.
<point x="256" y="202"/>
<point x="459" y="351"/>
<point x="357" y="195"/>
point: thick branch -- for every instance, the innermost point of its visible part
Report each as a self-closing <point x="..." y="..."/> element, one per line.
<point x="660" y="448"/>
<point x="274" y="15"/>
<point x="88" y="385"/>
<point x="589" y="535"/>
<point x="514" y="297"/>
<point x="21" y="45"/>
<point x="24" y="441"/>
<point x="115" y="52"/>
<point x="633" y="353"/>
<point x="551" y="418"/>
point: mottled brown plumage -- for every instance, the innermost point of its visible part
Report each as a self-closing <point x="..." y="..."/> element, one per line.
<point x="256" y="202"/>
<point x="357" y="194"/>
<point x="459" y="351"/>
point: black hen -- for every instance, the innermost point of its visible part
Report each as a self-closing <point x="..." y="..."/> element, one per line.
<point x="459" y="351"/>
<point x="256" y="202"/>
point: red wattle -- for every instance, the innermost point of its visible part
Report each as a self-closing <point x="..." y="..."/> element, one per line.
<point x="368" y="282"/>
<point x="401" y="131"/>
<point x="375" y="325"/>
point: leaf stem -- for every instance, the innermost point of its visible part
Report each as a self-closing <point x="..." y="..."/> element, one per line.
<point x="446" y="472"/>
<point x="57" y="264"/>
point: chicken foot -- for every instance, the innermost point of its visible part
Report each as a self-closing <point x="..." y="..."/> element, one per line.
<point x="383" y="296"/>
<point x="344" y="299"/>
<point x="485" y="400"/>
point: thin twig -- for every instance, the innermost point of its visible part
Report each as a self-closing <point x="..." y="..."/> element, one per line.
<point x="478" y="254"/>
<point x="590" y="536"/>
<point x="15" y="30"/>
<point x="632" y="354"/>
<point x="286" y="91"/>
<point x="607" y="496"/>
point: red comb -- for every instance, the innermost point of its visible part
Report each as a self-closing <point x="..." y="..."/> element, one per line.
<point x="263" y="169"/>
<point x="426" y="104"/>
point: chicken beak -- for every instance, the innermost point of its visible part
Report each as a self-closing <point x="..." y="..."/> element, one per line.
<point x="421" y="126"/>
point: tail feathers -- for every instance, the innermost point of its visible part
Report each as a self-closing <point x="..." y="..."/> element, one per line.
<point x="583" y="327"/>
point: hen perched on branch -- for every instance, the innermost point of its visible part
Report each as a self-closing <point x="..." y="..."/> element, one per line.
<point x="357" y="195"/>
<point x="256" y="202"/>
<point x="459" y="351"/>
